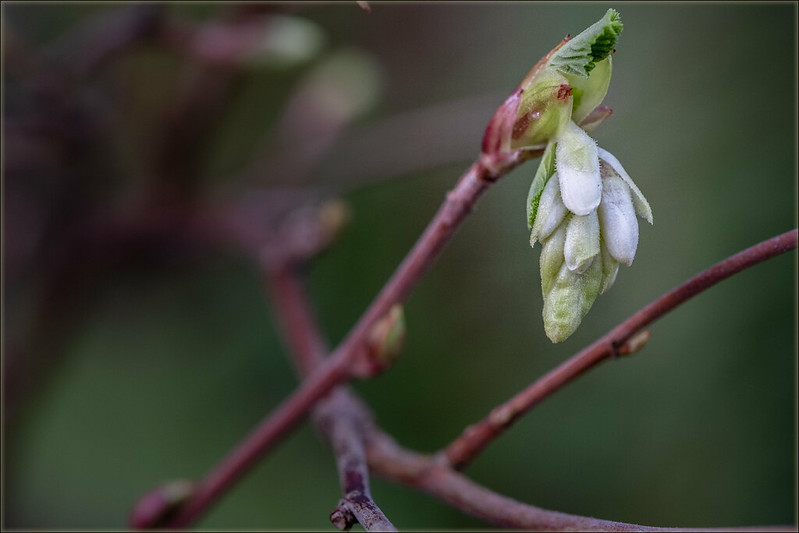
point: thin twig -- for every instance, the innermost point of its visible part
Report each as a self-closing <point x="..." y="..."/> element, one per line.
<point x="426" y="473"/>
<point x="343" y="419"/>
<point x="297" y="322"/>
<point x="340" y="417"/>
<point x="422" y="472"/>
<point x="476" y="437"/>
<point x="337" y="369"/>
<point x="262" y="439"/>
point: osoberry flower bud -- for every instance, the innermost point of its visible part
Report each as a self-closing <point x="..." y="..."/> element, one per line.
<point x="619" y="226"/>
<point x="582" y="242"/>
<point x="582" y="204"/>
<point x="568" y="84"/>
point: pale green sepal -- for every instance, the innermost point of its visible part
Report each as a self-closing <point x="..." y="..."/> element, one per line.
<point x="580" y="55"/>
<point x="552" y="257"/>
<point x="639" y="201"/>
<point x="569" y="300"/>
<point x="546" y="168"/>
<point x="617" y="217"/>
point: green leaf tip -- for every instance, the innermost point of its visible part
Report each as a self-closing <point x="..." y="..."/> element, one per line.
<point x="579" y="56"/>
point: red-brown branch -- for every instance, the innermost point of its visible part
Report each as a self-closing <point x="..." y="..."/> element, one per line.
<point x="337" y="369"/>
<point x="422" y="472"/>
<point x="340" y="417"/>
<point x="426" y="473"/>
<point x="260" y="440"/>
<point x="476" y="437"/>
<point x="297" y="323"/>
<point x="344" y="420"/>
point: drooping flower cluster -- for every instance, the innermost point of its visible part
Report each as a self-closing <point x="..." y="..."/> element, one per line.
<point x="586" y="223"/>
<point x="582" y="204"/>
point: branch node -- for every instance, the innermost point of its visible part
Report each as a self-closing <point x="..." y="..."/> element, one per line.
<point x="156" y="508"/>
<point x="342" y="517"/>
<point x="384" y="344"/>
<point x="502" y="415"/>
<point x="633" y="344"/>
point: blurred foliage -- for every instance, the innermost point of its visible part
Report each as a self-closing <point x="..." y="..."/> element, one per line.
<point x="165" y="365"/>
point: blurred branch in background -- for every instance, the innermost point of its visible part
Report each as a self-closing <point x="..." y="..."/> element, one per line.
<point x="431" y="137"/>
<point x="60" y="134"/>
<point x="82" y="229"/>
<point x="334" y="94"/>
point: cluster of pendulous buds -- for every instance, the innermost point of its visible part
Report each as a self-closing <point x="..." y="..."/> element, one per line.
<point x="582" y="204"/>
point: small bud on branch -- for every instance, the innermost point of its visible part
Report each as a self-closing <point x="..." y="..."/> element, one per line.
<point x="156" y="508"/>
<point x="635" y="343"/>
<point x="384" y="344"/>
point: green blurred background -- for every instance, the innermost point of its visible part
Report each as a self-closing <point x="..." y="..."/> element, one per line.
<point x="165" y="367"/>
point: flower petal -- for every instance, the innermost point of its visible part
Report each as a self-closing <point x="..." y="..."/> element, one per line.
<point x="582" y="242"/>
<point x="639" y="201"/>
<point x="577" y="163"/>
<point x="617" y="220"/>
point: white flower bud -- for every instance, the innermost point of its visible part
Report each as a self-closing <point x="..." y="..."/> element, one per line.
<point x="577" y="163"/>
<point x="582" y="242"/>
<point x="580" y="254"/>
<point x="617" y="219"/>
<point x="640" y="203"/>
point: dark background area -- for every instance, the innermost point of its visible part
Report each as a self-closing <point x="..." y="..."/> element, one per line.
<point x="151" y="368"/>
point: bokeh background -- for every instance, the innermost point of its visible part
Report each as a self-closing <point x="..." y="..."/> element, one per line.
<point x="150" y="368"/>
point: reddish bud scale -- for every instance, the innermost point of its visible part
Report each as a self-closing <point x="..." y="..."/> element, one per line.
<point x="504" y="124"/>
